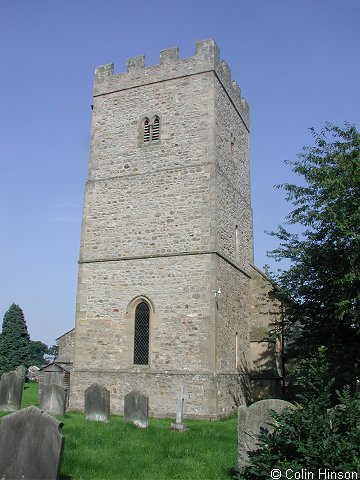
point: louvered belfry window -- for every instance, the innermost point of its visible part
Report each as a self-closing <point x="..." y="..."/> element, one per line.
<point x="146" y="130"/>
<point x="141" y="338"/>
<point x="150" y="130"/>
<point x="156" y="129"/>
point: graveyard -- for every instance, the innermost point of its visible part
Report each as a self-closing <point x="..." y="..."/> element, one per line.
<point x="185" y="360"/>
<point x="116" y="449"/>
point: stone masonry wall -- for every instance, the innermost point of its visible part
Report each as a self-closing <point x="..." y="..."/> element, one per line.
<point x="159" y="226"/>
<point x="232" y="182"/>
<point x="66" y="347"/>
<point x="181" y="320"/>
<point x="161" y="388"/>
<point x="206" y="59"/>
<point x="232" y="335"/>
<point x="232" y="318"/>
<point x="162" y="212"/>
<point x="265" y="314"/>
<point x="182" y="105"/>
<point x="233" y="213"/>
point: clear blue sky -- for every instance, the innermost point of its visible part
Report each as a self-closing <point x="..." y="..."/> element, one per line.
<point x="296" y="61"/>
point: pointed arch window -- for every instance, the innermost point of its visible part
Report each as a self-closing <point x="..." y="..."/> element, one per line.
<point x="141" y="334"/>
<point x="149" y="130"/>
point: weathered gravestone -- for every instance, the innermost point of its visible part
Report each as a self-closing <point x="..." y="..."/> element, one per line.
<point x="136" y="409"/>
<point x="178" y="425"/>
<point x="254" y="419"/>
<point x="97" y="403"/>
<point x="21" y="371"/>
<point x="11" y="390"/>
<point x="52" y="399"/>
<point x="31" y="445"/>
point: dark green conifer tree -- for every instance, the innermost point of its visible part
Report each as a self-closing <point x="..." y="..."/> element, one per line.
<point x="14" y="340"/>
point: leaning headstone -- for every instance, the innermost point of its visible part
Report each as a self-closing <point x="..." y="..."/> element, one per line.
<point x="31" y="445"/>
<point x="21" y="371"/>
<point x="11" y="390"/>
<point x="52" y="399"/>
<point x="136" y="409"/>
<point x="254" y="419"/>
<point x="97" y="403"/>
<point x="178" y="425"/>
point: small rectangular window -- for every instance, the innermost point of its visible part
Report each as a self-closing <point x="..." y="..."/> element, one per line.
<point x="236" y="351"/>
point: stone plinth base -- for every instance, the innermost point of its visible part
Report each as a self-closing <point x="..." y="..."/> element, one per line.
<point x="209" y="396"/>
<point x="180" y="427"/>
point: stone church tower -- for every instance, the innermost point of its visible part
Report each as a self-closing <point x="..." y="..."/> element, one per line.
<point x="167" y="243"/>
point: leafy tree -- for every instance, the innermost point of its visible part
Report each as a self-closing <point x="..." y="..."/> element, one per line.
<point x="37" y="351"/>
<point x="313" y="435"/>
<point x="14" y="340"/>
<point x="53" y="351"/>
<point x="321" y="288"/>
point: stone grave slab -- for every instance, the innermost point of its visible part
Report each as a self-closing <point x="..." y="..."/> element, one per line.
<point x="21" y="371"/>
<point x="11" y="390"/>
<point x="252" y="420"/>
<point x="52" y="399"/>
<point x="136" y="409"/>
<point x="97" y="403"/>
<point x="31" y="445"/>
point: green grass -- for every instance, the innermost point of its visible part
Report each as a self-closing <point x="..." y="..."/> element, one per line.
<point x="30" y="395"/>
<point x="116" y="450"/>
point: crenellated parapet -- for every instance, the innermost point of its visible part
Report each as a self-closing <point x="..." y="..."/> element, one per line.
<point x="206" y="59"/>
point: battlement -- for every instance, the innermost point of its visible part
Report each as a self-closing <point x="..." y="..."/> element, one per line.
<point x="206" y="59"/>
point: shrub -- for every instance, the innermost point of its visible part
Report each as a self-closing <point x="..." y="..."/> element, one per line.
<point x="315" y="435"/>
